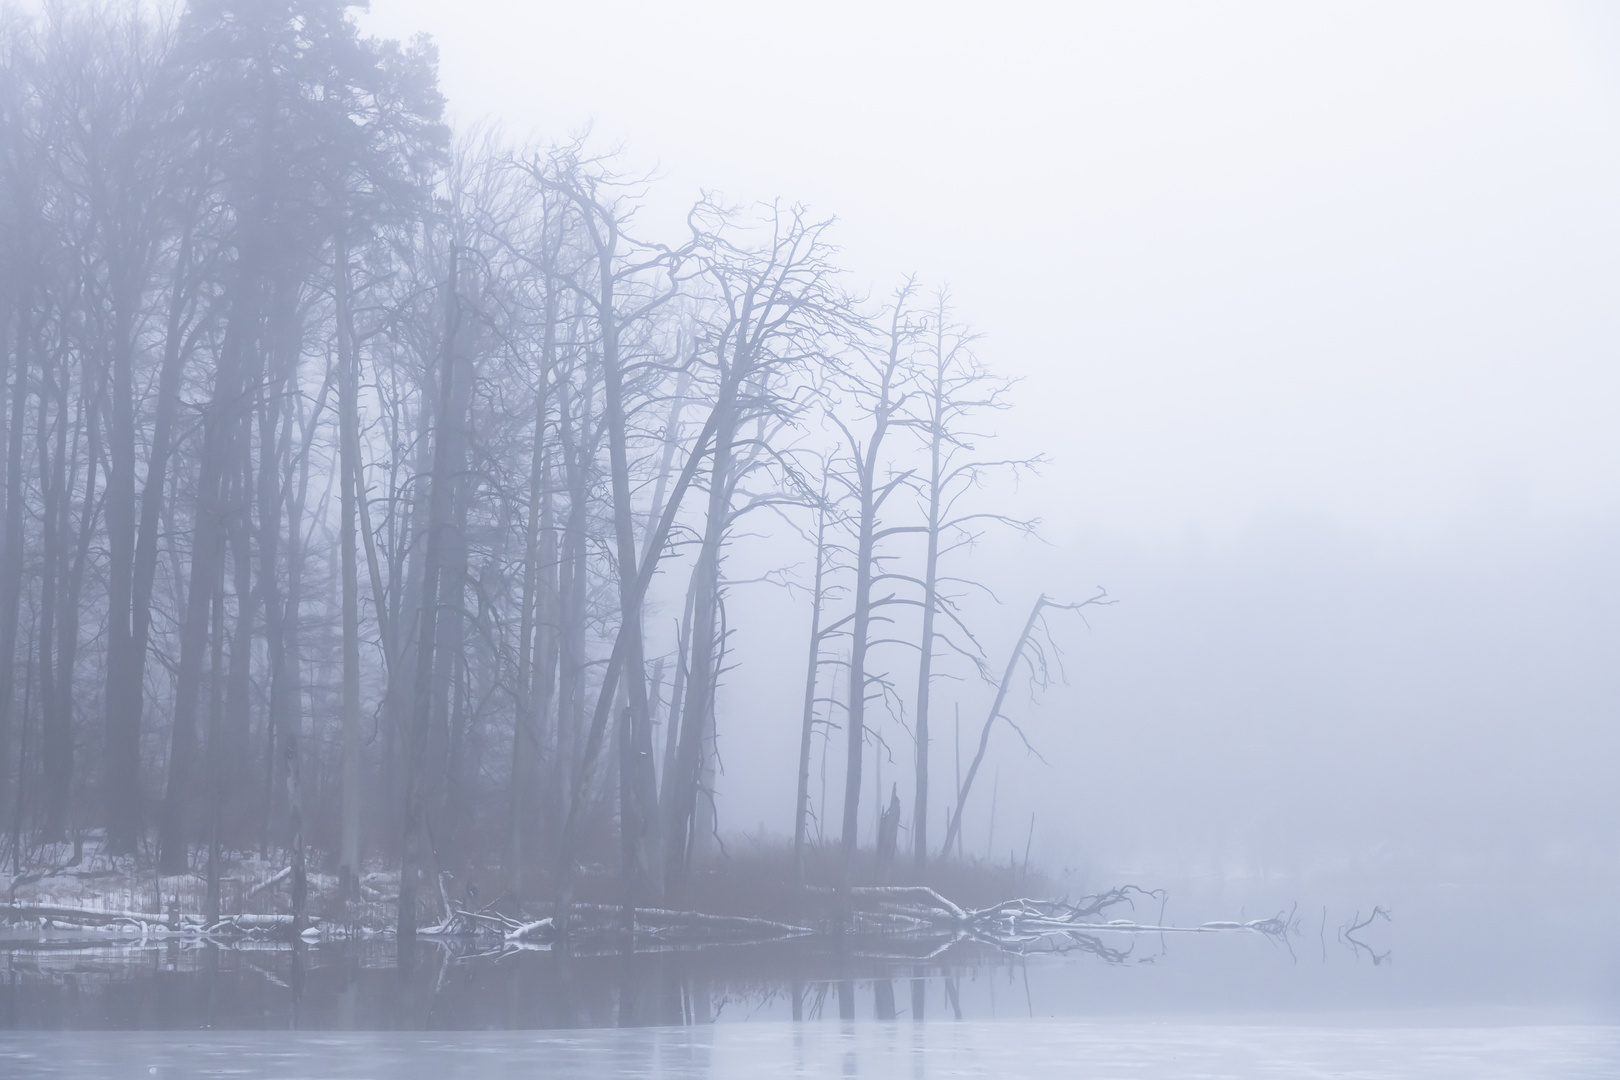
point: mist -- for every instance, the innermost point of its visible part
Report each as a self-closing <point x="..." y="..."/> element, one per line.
<point x="1309" y="312"/>
<point x="716" y="506"/>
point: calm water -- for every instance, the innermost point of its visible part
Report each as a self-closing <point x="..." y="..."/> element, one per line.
<point x="1453" y="987"/>
<point x="1008" y="1048"/>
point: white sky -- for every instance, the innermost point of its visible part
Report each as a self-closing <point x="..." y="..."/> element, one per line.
<point x="1356" y="259"/>
<point x="1316" y="308"/>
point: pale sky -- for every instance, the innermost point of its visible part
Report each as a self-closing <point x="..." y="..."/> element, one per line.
<point x="1316" y="311"/>
<point x="1352" y="259"/>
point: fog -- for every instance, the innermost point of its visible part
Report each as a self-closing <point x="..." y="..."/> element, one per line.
<point x="1349" y="259"/>
<point x="1312" y="308"/>
<point x="634" y="515"/>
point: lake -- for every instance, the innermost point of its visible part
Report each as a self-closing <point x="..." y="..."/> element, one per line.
<point x="1454" y="987"/>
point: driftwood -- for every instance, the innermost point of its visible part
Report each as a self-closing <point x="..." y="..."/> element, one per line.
<point x="1347" y="934"/>
<point x="463" y="923"/>
<point x="912" y="921"/>
<point x="249" y="924"/>
<point x="1025" y="924"/>
<point x="927" y="905"/>
<point x="650" y="927"/>
<point x="75" y="916"/>
<point x="147" y="922"/>
<point x="271" y="882"/>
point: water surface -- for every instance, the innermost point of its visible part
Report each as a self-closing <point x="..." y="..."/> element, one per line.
<point x="1454" y="987"/>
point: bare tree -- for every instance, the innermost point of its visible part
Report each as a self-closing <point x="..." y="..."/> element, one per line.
<point x="378" y="466"/>
<point x="954" y="390"/>
<point x="777" y="309"/>
<point x="1029" y="650"/>
<point x="819" y="593"/>
<point x="878" y="391"/>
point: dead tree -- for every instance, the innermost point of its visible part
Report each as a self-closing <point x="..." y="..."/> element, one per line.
<point x="776" y="304"/>
<point x="621" y="283"/>
<point x="878" y="390"/>
<point x="537" y="637"/>
<point x="954" y="390"/>
<point x="449" y="413"/>
<point x="1038" y="667"/>
<point x="820" y="591"/>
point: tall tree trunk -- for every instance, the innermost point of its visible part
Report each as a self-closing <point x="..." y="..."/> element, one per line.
<point x="221" y="419"/>
<point x="348" y="467"/>
<point x="407" y="517"/>
<point x="62" y="578"/>
<point x="441" y="796"/>
<point x="237" y="734"/>
<point x="546" y="704"/>
<point x="133" y="559"/>
<point x="525" y="723"/>
<point x="677" y="699"/>
<point x="930" y="600"/>
<point x="446" y="451"/>
<point x="54" y="492"/>
<point x="871" y="497"/>
<point x="687" y="778"/>
<point x="571" y="620"/>
<point x="287" y="695"/>
<point x="610" y="677"/>
<point x="801" y="805"/>
<point x="984" y="735"/>
<point x="855" y="712"/>
<point x="60" y="778"/>
<point x="216" y="753"/>
<point x="11" y="544"/>
<point x="638" y="820"/>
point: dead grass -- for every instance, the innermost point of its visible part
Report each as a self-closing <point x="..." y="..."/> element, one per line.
<point x="755" y="878"/>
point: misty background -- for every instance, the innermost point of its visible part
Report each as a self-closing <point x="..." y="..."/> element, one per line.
<point x="1314" y="311"/>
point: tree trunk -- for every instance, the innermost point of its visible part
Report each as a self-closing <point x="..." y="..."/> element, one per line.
<point x="801" y="806"/>
<point x="855" y="712"/>
<point x="216" y="753"/>
<point x="133" y="558"/>
<point x="287" y="693"/>
<point x="930" y="600"/>
<point x="221" y="421"/>
<point x="446" y="455"/>
<point x="525" y="723"/>
<point x="687" y="777"/>
<point x="11" y="545"/>
<point x="348" y="447"/>
<point x="995" y="711"/>
<point x="56" y="735"/>
<point x="638" y="822"/>
<point x="610" y="677"/>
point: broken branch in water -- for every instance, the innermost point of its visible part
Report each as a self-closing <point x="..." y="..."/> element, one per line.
<point x="914" y="920"/>
<point x="1347" y="934"/>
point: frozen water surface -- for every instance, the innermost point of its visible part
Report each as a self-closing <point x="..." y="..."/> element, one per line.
<point x="1009" y="1048"/>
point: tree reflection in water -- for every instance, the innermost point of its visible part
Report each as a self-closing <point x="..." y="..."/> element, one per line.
<point x="448" y="984"/>
<point x="178" y="985"/>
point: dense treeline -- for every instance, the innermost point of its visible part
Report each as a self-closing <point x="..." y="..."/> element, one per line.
<point x="347" y="460"/>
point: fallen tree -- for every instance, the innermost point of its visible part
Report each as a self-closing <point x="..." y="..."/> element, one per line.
<point x="912" y="920"/>
<point x="1038" y="667"/>
<point x="83" y="916"/>
<point x="62" y="916"/>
